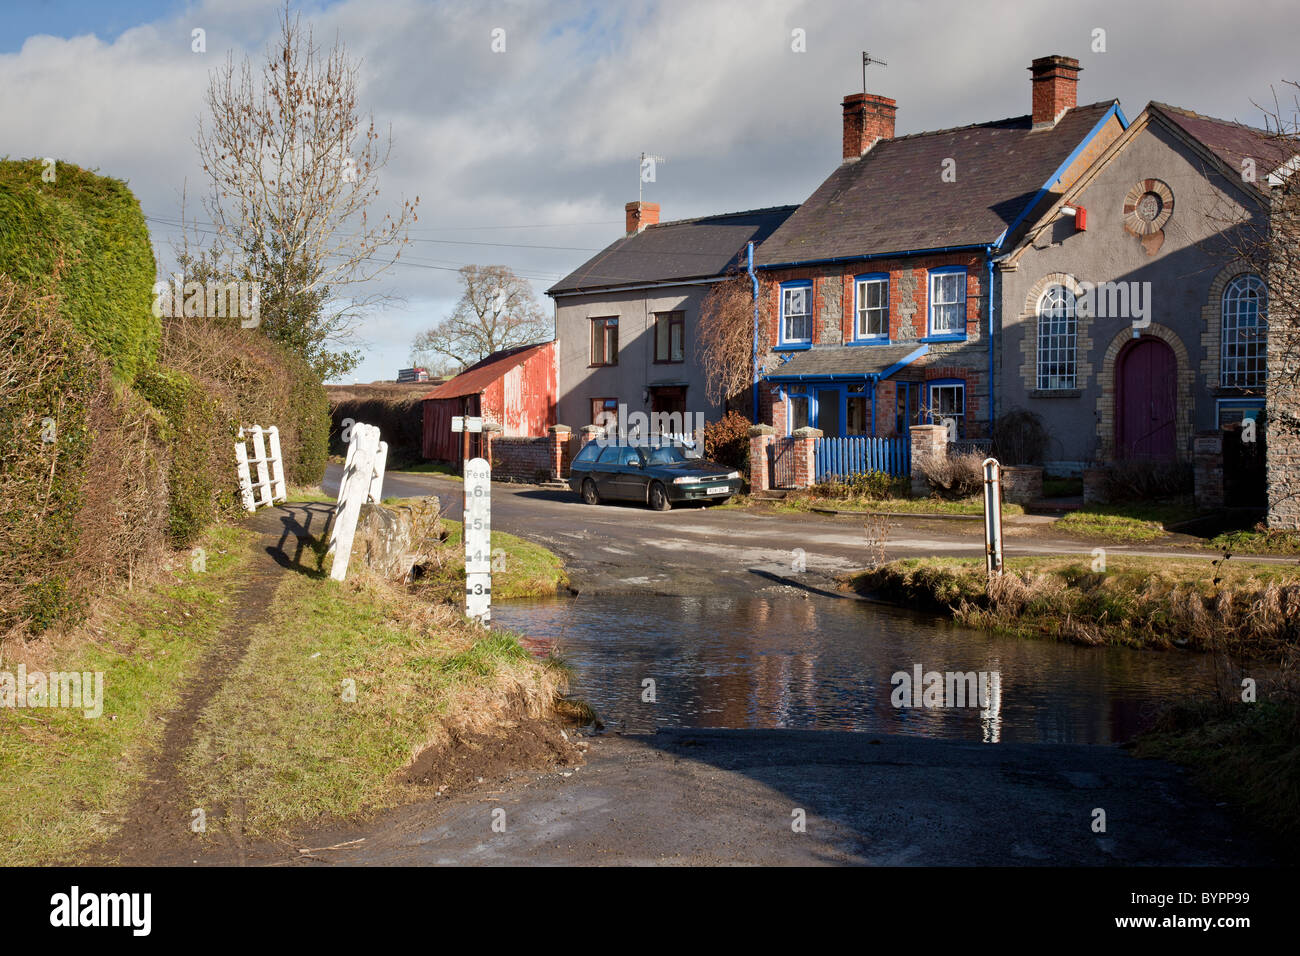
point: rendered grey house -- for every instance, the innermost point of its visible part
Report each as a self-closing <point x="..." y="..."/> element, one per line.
<point x="627" y="319"/>
<point x="1174" y="342"/>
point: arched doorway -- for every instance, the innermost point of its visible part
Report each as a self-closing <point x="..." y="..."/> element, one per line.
<point x="1146" y="400"/>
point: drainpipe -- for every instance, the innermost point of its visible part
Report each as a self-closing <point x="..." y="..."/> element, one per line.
<point x="754" y="279"/>
<point x="988" y="254"/>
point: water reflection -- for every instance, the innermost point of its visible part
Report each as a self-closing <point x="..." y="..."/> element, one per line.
<point x="825" y="663"/>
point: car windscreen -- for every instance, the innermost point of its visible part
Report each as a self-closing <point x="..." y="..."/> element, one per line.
<point x="668" y="455"/>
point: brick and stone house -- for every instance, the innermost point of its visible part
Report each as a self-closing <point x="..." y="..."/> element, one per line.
<point x="878" y="294"/>
<point x="1168" y="339"/>
<point x="627" y="319"/>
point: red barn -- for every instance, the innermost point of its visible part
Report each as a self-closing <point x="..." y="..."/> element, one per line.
<point x="516" y="388"/>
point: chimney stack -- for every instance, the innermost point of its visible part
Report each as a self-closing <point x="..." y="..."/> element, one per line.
<point x="868" y="118"/>
<point x="640" y="215"/>
<point x="1055" y="85"/>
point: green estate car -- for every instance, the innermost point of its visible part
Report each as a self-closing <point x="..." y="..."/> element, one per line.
<point x="657" y="475"/>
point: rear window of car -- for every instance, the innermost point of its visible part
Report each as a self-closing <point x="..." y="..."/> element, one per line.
<point x="588" y="453"/>
<point x="610" y="455"/>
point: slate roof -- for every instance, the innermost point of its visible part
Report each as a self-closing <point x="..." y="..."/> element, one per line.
<point x="683" y="249"/>
<point x="843" y="360"/>
<point x="893" y="200"/>
<point x="1230" y="141"/>
<point x="486" y="371"/>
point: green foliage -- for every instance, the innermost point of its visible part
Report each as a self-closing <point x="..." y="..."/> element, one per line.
<point x="83" y="239"/>
<point x="871" y="485"/>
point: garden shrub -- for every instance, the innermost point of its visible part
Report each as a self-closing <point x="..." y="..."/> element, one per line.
<point x="874" y="485"/>
<point x="954" y="476"/>
<point x="1019" y="438"/>
<point x="83" y="239"/>
<point x="726" y="441"/>
<point x="1143" y="480"/>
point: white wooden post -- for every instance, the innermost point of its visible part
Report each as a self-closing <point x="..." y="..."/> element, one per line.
<point x="376" y="493"/>
<point x="478" y="540"/>
<point x="992" y="516"/>
<point x="279" y="489"/>
<point x="245" y="480"/>
<point x="353" y="492"/>
<point x="263" y="473"/>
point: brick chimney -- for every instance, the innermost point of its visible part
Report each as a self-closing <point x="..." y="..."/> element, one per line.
<point x="1055" y="83"/>
<point x="868" y="118"/>
<point x="640" y="215"/>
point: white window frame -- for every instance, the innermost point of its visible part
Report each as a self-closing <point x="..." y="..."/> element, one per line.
<point x="1242" y="354"/>
<point x="786" y="315"/>
<point x="937" y="416"/>
<point x="1058" y="340"/>
<point x="862" y="312"/>
<point x="955" y="306"/>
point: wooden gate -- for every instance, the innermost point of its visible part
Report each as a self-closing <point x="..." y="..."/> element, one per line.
<point x="1245" y="483"/>
<point x="781" y="462"/>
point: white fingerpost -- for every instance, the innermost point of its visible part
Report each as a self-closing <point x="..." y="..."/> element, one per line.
<point x="354" y="490"/>
<point x="478" y="540"/>
<point x="279" y="490"/>
<point x="992" y="516"/>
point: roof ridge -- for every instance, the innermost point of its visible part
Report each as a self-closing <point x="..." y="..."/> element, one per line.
<point x="721" y="215"/>
<point x="997" y="122"/>
<point x="1212" y="119"/>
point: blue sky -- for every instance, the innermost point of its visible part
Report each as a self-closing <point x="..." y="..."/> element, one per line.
<point x="526" y="158"/>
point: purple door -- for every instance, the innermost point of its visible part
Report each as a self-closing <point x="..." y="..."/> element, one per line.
<point x="1146" y="397"/>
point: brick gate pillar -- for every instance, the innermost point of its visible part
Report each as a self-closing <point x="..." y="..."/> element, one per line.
<point x="805" y="456"/>
<point x="559" y="445"/>
<point x="927" y="441"/>
<point x="1207" y="469"/>
<point x="760" y="439"/>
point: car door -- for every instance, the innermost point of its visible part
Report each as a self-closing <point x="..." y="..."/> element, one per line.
<point x="605" y="471"/>
<point x="630" y="478"/>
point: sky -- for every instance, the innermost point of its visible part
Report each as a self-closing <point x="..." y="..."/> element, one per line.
<point x="526" y="157"/>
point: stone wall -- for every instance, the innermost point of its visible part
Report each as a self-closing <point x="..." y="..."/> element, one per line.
<point x="1022" y="484"/>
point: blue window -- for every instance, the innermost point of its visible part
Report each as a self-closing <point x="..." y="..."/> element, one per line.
<point x="871" y="308"/>
<point x="796" y="313"/>
<point x="948" y="302"/>
<point x="945" y="398"/>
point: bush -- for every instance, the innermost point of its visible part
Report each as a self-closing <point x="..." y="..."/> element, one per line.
<point x="955" y="476"/>
<point x="83" y="239"/>
<point x="874" y="485"/>
<point x="1140" y="480"/>
<point x="726" y="441"/>
<point x="1019" y="438"/>
<point x="397" y="411"/>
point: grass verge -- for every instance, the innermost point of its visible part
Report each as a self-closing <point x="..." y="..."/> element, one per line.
<point x="340" y="691"/>
<point x="1242" y="609"/>
<point x="1125" y="523"/>
<point x="520" y="567"/>
<point x="62" y="775"/>
<point x="1257" y="542"/>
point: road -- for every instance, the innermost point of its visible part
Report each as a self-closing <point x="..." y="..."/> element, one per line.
<point x="612" y="548"/>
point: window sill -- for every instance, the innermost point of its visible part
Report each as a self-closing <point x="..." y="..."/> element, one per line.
<point x="942" y="338"/>
<point x="882" y="340"/>
<point x="1056" y="393"/>
<point x="668" y="362"/>
<point x="792" y="346"/>
<point x="604" y="365"/>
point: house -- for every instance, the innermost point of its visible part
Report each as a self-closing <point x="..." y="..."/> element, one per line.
<point x="627" y="320"/>
<point x="877" y="294"/>
<point x="514" y="388"/>
<point x="1129" y="322"/>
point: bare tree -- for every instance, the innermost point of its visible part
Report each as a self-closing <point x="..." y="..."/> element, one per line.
<point x="294" y="168"/>
<point x="497" y="310"/>
<point x="726" y="339"/>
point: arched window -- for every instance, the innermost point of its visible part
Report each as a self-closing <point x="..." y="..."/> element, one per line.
<point x="1058" y="330"/>
<point x="1242" y="358"/>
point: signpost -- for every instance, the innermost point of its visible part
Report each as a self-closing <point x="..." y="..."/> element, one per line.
<point x="478" y="525"/>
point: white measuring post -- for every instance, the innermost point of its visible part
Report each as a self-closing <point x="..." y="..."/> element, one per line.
<point x="992" y="516"/>
<point x="478" y="540"/>
<point x="354" y="490"/>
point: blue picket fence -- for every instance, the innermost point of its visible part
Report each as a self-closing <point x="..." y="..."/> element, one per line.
<point x="860" y="453"/>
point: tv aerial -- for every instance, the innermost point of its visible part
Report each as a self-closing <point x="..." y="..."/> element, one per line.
<point x="867" y="60"/>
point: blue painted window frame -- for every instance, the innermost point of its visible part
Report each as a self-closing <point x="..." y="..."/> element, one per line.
<point x="789" y="395"/>
<point x="931" y="335"/>
<point x="939" y="383"/>
<point x="782" y="341"/>
<point x="881" y="338"/>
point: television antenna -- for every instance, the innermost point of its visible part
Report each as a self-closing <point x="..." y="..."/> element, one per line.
<point x="641" y="171"/>
<point x="867" y="60"/>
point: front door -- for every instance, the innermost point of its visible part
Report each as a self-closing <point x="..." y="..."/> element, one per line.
<point x="828" y="411"/>
<point x="1146" y="400"/>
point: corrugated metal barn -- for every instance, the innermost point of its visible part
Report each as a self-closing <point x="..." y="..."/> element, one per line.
<point x="516" y="388"/>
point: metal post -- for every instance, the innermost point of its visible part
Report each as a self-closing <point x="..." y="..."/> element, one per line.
<point x="992" y="516"/>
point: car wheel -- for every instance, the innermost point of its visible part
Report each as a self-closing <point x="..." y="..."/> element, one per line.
<point x="589" y="494"/>
<point x="659" y="497"/>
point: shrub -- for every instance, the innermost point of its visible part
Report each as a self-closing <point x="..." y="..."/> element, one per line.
<point x="726" y="441"/>
<point x="875" y="485"/>
<point x="1140" y="480"/>
<point x="397" y="411"/>
<point x="954" y="476"/>
<point x="83" y="239"/>
<point x="1019" y="438"/>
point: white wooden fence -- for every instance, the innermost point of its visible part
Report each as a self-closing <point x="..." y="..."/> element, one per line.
<point x="270" y="484"/>
<point x="363" y="480"/>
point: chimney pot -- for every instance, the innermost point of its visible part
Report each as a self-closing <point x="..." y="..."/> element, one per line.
<point x="868" y="118"/>
<point x="640" y="215"/>
<point x="1055" y="86"/>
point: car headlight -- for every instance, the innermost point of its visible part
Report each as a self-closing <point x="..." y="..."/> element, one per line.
<point x="688" y="480"/>
<point x="734" y="475"/>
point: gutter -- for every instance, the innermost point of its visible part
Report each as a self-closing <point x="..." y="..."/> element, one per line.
<point x="874" y="255"/>
<point x="667" y="283"/>
<point x="855" y="376"/>
<point x="988" y="255"/>
<point x="753" y="278"/>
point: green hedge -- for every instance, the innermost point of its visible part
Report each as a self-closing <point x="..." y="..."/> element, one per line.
<point x="84" y="238"/>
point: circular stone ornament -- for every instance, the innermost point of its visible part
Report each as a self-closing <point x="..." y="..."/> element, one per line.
<point x="1147" y="207"/>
